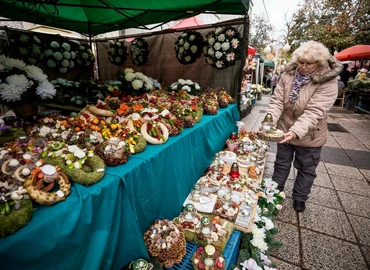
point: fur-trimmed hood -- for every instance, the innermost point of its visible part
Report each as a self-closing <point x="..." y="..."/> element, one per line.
<point x="323" y="73"/>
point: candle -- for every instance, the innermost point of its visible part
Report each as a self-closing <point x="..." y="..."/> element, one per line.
<point x="206" y="231"/>
<point x="209" y="262"/>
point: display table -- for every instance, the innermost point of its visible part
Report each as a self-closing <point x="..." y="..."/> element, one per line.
<point x="102" y="226"/>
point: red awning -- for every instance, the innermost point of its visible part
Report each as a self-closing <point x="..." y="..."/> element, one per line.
<point x="354" y="53"/>
<point x="189" y="22"/>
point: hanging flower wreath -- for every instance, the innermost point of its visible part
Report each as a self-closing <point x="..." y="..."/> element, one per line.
<point x="59" y="56"/>
<point x="139" y="51"/>
<point x="223" y="47"/>
<point x="25" y="47"/>
<point x="84" y="55"/>
<point x="117" y="52"/>
<point x="189" y="47"/>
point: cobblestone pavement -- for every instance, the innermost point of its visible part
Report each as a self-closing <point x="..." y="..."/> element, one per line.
<point x="334" y="231"/>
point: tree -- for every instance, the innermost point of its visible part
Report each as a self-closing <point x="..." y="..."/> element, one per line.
<point x="338" y="24"/>
<point x="260" y="33"/>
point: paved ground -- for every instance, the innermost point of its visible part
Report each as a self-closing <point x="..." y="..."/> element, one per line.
<point x="334" y="231"/>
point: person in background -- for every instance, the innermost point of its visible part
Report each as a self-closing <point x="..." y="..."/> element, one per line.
<point x="274" y="82"/>
<point x="268" y="78"/>
<point x="341" y="85"/>
<point x="299" y="107"/>
<point x="344" y="75"/>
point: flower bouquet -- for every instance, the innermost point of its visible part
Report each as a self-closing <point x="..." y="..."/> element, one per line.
<point x="117" y="52"/>
<point x="139" y="51"/>
<point x="113" y="151"/>
<point x="59" y="56"/>
<point x="189" y="47"/>
<point x="135" y="83"/>
<point x="185" y="112"/>
<point x="223" y="47"/>
<point x="85" y="56"/>
<point x="192" y="88"/>
<point x="22" y="84"/>
<point x="26" y="47"/>
<point x="171" y="122"/>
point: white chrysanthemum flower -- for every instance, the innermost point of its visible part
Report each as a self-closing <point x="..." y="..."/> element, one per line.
<point x="258" y="232"/>
<point x="221" y="37"/>
<point x="128" y="70"/>
<point x="189" y="82"/>
<point x="225" y="46"/>
<point x="260" y="244"/>
<point x="174" y="86"/>
<point x="78" y="165"/>
<point x="268" y="223"/>
<point x="186" y="88"/>
<point x="14" y="63"/>
<point x="45" y="90"/>
<point x="139" y="75"/>
<point x="35" y="73"/>
<point x="79" y="153"/>
<point x="181" y="42"/>
<point x="130" y="76"/>
<point x="186" y="45"/>
<point x="193" y="49"/>
<point x="192" y="37"/>
<point x="181" y="50"/>
<point x="182" y="81"/>
<point x="149" y="86"/>
<point x="15" y="86"/>
<point x="137" y="84"/>
<point x="217" y="46"/>
<point x="211" y="41"/>
<point x="197" y="86"/>
<point x="44" y="131"/>
<point x="184" y="35"/>
<point x="13" y="162"/>
<point x="187" y="58"/>
<point x="211" y="52"/>
<point x="137" y="50"/>
<point x="73" y="148"/>
<point x="218" y="55"/>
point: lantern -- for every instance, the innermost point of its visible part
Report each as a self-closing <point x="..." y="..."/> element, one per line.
<point x="196" y="193"/>
<point x="189" y="212"/>
<point x="206" y="227"/>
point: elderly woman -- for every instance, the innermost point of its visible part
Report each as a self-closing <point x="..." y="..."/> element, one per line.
<point x="303" y="96"/>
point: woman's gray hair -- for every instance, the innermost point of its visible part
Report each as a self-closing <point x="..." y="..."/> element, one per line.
<point x="312" y="50"/>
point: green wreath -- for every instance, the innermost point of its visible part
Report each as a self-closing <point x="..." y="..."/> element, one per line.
<point x="189" y="47"/>
<point x="223" y="47"/>
<point x="25" y="47"/>
<point x="59" y="56"/>
<point x="84" y="55"/>
<point x="92" y="170"/>
<point x="117" y="53"/>
<point x="17" y="219"/>
<point x="139" y="51"/>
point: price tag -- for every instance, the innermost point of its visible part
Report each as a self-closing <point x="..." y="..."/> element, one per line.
<point x="100" y="170"/>
<point x="22" y="137"/>
<point x="60" y="193"/>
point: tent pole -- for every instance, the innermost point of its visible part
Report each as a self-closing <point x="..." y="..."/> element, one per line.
<point x="242" y="62"/>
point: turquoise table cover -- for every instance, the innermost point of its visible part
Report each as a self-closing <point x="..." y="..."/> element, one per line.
<point x="102" y="226"/>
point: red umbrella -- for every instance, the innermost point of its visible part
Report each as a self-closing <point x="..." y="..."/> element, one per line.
<point x="354" y="53"/>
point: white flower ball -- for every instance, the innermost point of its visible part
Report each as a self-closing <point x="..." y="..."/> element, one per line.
<point x="211" y="41"/>
<point x="189" y="82"/>
<point x="181" y="42"/>
<point x="182" y="81"/>
<point x="184" y="35"/>
<point x="137" y="84"/>
<point x="186" y="45"/>
<point x="211" y="52"/>
<point x="181" y="50"/>
<point x="218" y="30"/>
<point x="217" y="46"/>
<point x="221" y="37"/>
<point x="193" y="49"/>
<point x="187" y="58"/>
<point x="225" y="46"/>
<point x="218" y="55"/>
<point x="192" y="37"/>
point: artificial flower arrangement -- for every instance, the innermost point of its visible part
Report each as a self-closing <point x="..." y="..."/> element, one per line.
<point x="165" y="241"/>
<point x="139" y="51"/>
<point x="113" y="151"/>
<point x="189" y="47"/>
<point x="208" y="257"/>
<point x="117" y="52"/>
<point x="135" y="83"/>
<point x="21" y="83"/>
<point x="25" y="47"/>
<point x="59" y="56"/>
<point x="85" y="56"/>
<point x="192" y="88"/>
<point x="223" y="47"/>
<point x="69" y="92"/>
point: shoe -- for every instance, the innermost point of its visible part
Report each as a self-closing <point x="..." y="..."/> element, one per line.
<point x="299" y="206"/>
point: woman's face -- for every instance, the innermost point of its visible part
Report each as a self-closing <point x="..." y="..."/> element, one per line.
<point x="306" y="66"/>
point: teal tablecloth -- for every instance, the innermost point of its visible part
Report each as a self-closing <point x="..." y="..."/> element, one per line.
<point x="102" y="226"/>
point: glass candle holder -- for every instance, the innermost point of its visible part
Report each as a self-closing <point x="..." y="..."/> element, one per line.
<point x="196" y="193"/>
<point x="189" y="212"/>
<point x="206" y="226"/>
<point x="234" y="171"/>
<point x="226" y="201"/>
<point x="209" y="256"/>
<point x="267" y="123"/>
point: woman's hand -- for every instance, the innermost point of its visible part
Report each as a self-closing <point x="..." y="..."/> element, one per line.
<point x="287" y="137"/>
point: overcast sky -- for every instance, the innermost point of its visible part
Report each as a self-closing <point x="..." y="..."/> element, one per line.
<point x="276" y="10"/>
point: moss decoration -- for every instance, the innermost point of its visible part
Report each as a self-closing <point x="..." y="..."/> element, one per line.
<point x="9" y="224"/>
